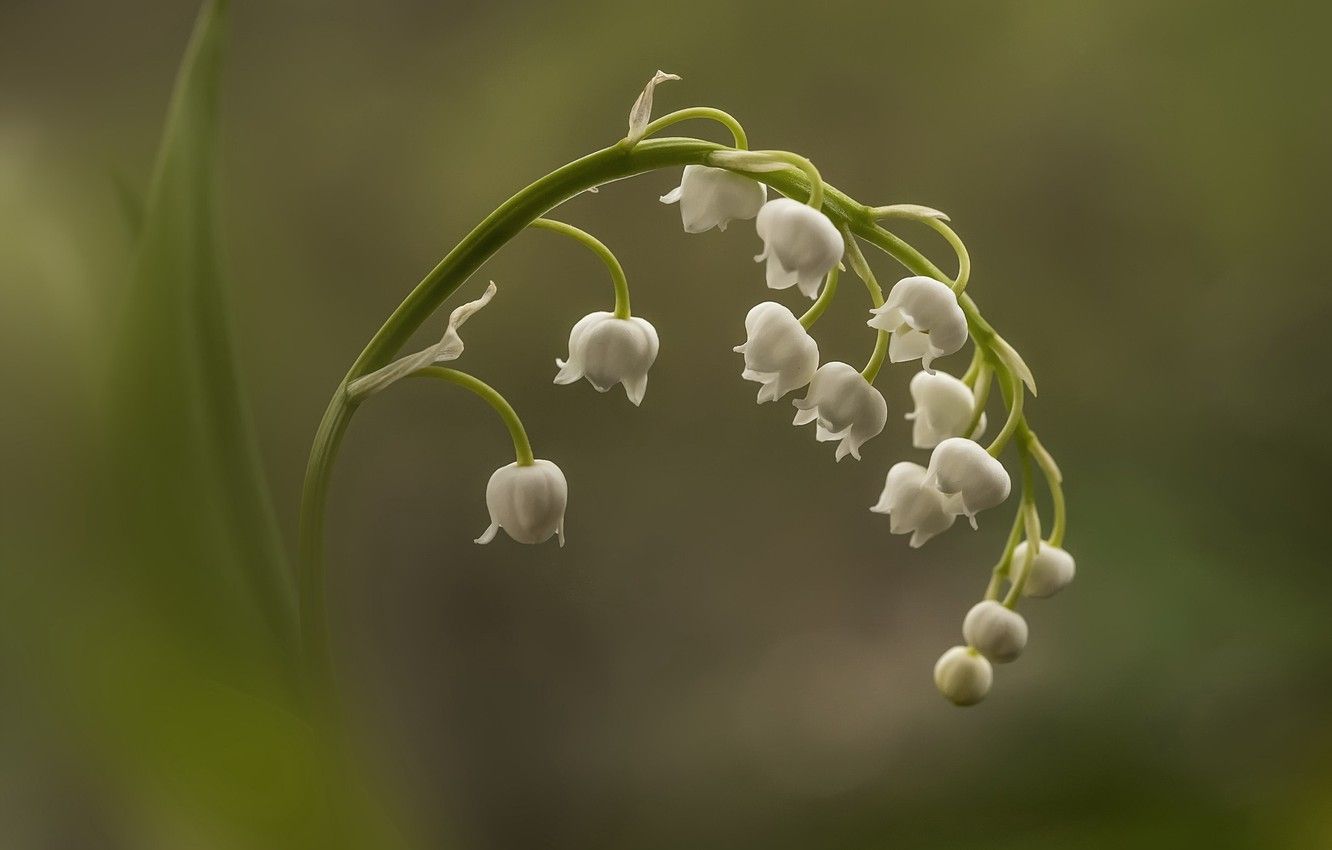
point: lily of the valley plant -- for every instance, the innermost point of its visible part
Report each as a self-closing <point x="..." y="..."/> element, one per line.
<point x="810" y="232"/>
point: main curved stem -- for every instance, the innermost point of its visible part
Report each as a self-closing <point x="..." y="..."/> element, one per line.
<point x="508" y="220"/>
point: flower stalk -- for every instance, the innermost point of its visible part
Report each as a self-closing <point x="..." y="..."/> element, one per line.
<point x="618" y="279"/>
<point x="796" y="178"/>
<point x="701" y="112"/>
<point x="863" y="271"/>
<point x="522" y="446"/>
<point x="821" y="303"/>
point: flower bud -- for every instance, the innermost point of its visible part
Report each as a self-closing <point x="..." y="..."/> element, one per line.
<point x="779" y="353"/>
<point x="963" y="675"/>
<point x="914" y="507"/>
<point x="999" y="633"/>
<point x="960" y="467"/>
<point x="714" y="197"/>
<point x="528" y="502"/>
<point x="944" y="407"/>
<point x="845" y="407"/>
<point x="924" y="318"/>
<point x="1051" y="570"/>
<point x="800" y="243"/>
<point x="608" y="351"/>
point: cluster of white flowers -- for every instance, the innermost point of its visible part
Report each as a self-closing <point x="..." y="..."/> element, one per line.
<point x="924" y="321"/>
<point x="922" y="318"/>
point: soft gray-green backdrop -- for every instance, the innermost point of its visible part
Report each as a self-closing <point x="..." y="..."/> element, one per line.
<point x="731" y="651"/>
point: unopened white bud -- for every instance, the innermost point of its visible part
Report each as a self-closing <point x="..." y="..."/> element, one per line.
<point x="1051" y="570"/>
<point x="963" y="675"/>
<point x="999" y="633"/>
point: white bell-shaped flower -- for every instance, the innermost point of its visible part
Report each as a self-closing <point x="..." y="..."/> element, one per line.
<point x="608" y="351"/>
<point x="914" y="507"/>
<point x="1051" y="570"/>
<point x="962" y="468"/>
<point x="963" y="675"/>
<point x="779" y="353"/>
<point x="528" y="502"/>
<point x="714" y="197"/>
<point x="924" y="318"/>
<point x="800" y="243"/>
<point x="944" y="407"/>
<point x="998" y="632"/>
<point x="845" y="407"/>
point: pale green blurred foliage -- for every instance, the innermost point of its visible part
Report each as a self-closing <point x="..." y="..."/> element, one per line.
<point x="731" y="652"/>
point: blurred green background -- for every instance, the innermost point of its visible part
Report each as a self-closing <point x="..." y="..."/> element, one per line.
<point x="731" y="652"/>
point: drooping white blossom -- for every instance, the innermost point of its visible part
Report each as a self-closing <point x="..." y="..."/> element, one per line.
<point x="608" y="351"/>
<point x="998" y="632"/>
<point x="944" y="407"/>
<point x="844" y="406"/>
<point x="914" y="507"/>
<point x="528" y="502"/>
<point x="1051" y="570"/>
<point x="714" y="197"/>
<point x="924" y="318"/>
<point x="963" y="675"/>
<point x="800" y="244"/>
<point x="780" y="355"/>
<point x="962" y="468"/>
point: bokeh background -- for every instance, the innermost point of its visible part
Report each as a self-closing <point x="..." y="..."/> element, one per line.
<point x="731" y="652"/>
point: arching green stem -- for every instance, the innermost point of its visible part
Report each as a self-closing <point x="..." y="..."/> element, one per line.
<point x="508" y="220"/>
<point x="522" y="447"/>
<point x="598" y="247"/>
<point x="825" y="298"/>
<point x="704" y="112"/>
